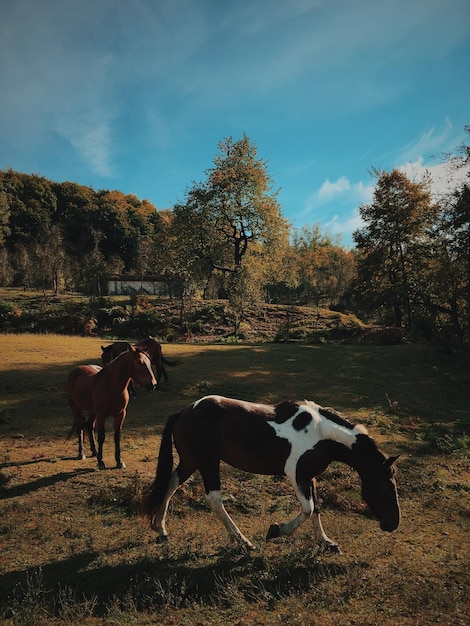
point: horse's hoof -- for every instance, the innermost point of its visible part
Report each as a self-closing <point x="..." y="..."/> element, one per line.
<point x="161" y="539"/>
<point x="273" y="532"/>
<point x="81" y="457"/>
<point x="332" y="548"/>
<point x="101" y="465"/>
<point x="121" y="465"/>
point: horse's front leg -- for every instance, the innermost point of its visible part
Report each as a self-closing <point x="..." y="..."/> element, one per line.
<point x="303" y="492"/>
<point x="321" y="537"/>
<point x="118" y="422"/>
<point x="101" y="437"/>
<point x="131" y="389"/>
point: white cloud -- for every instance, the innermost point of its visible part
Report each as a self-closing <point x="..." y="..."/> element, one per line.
<point x="443" y="179"/>
<point x="345" y="226"/>
<point x="341" y="192"/>
<point x="329" y="190"/>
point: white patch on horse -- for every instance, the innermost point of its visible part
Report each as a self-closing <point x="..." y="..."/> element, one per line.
<point x="305" y="439"/>
<point x="214" y="499"/>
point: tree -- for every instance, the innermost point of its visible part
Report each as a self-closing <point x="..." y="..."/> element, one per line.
<point x="232" y="219"/>
<point x="4" y="216"/>
<point x="323" y="269"/>
<point x="453" y="248"/>
<point x="31" y="205"/>
<point x="51" y="261"/>
<point x="390" y="245"/>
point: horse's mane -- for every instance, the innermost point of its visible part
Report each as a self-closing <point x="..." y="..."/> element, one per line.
<point x="337" y="418"/>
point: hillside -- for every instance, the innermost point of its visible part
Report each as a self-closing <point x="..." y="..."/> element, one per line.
<point x="198" y="321"/>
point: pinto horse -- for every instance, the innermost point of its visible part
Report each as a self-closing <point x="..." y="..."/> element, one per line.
<point x="295" y="439"/>
<point x="102" y="392"/>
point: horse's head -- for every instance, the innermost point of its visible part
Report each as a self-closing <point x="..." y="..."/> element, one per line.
<point x="106" y="354"/>
<point x="142" y="372"/>
<point x="379" y="488"/>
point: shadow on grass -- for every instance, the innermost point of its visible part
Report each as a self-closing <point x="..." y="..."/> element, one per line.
<point x="171" y="582"/>
<point x="418" y="377"/>
<point x="40" y="483"/>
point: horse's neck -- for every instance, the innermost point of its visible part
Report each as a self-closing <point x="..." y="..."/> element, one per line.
<point x="119" y="373"/>
<point x="359" y="456"/>
<point x="338" y="433"/>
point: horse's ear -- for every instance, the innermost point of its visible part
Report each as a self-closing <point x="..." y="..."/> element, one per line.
<point x="390" y="461"/>
<point x="103" y="348"/>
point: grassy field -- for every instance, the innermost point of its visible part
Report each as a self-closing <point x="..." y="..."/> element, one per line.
<point x="74" y="551"/>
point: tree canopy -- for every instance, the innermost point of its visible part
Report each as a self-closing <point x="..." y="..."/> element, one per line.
<point x="410" y="266"/>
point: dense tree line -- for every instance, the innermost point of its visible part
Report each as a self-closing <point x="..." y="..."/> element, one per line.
<point x="410" y="267"/>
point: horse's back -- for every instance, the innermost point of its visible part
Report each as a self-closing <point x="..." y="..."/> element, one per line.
<point x="239" y="432"/>
<point x="153" y="349"/>
<point x="79" y="386"/>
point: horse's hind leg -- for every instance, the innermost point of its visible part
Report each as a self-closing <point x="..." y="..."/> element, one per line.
<point x="179" y="476"/>
<point x="91" y="434"/>
<point x="158" y="523"/>
<point x="211" y="477"/>
<point x="81" y="452"/>
<point x="78" y="416"/>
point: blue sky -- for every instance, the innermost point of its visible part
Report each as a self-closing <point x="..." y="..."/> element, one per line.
<point x="136" y="94"/>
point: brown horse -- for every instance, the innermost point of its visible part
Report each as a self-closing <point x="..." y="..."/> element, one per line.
<point x="101" y="393"/>
<point x="151" y="347"/>
<point x="154" y="350"/>
<point x="295" y="439"/>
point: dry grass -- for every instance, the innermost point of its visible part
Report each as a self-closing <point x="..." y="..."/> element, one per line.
<point x="73" y="550"/>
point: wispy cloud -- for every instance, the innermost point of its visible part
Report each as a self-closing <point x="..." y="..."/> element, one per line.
<point x="425" y="158"/>
<point x="341" y="192"/>
<point x="336" y="204"/>
<point x="345" y="225"/>
<point x="91" y="140"/>
<point x="432" y="142"/>
<point x="329" y="190"/>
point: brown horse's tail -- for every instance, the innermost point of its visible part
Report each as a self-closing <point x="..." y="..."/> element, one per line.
<point x="154" y="498"/>
<point x="173" y="363"/>
<point x="70" y="433"/>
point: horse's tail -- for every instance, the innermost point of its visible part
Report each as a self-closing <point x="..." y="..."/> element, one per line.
<point x="154" y="498"/>
<point x="71" y="378"/>
<point x="71" y="431"/>
<point x="171" y="363"/>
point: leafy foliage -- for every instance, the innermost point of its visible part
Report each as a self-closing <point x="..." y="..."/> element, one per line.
<point x="228" y="238"/>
